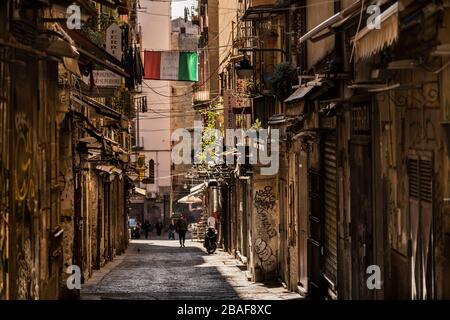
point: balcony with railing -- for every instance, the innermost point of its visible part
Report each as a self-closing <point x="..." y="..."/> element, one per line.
<point x="264" y="9"/>
<point x="201" y="97"/>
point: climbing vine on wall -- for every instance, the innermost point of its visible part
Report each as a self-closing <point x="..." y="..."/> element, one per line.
<point x="211" y="118"/>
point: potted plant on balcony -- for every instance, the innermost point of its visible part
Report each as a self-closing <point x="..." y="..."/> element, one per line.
<point x="282" y="80"/>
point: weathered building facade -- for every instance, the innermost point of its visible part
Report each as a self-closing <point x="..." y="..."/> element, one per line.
<point x="362" y="114"/>
<point x="65" y="145"/>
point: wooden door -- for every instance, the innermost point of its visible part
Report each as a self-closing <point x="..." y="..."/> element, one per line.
<point x="315" y="240"/>
<point x="361" y="213"/>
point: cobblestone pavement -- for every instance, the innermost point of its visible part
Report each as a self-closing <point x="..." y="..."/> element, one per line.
<point x="159" y="269"/>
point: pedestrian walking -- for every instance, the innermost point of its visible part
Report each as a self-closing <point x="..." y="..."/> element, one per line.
<point x="146" y="228"/>
<point x="181" y="227"/>
<point x="171" y="231"/>
<point x="159" y="227"/>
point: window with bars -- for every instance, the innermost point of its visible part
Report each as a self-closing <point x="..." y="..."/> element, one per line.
<point x="141" y="104"/>
<point x="361" y="124"/>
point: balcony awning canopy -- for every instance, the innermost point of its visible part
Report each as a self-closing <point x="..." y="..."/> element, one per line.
<point x="109" y="169"/>
<point x="198" y="188"/>
<point x="304" y="90"/>
<point x="298" y="94"/>
<point x="318" y="32"/>
<point x="140" y="191"/>
<point x="132" y="176"/>
<point x="190" y="199"/>
<point x="370" y="41"/>
<point x="330" y="22"/>
<point x="100" y="108"/>
<point x="105" y="168"/>
<point x="261" y="12"/>
<point x="91" y="52"/>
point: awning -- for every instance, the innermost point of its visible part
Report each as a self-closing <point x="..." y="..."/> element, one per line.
<point x="92" y="52"/>
<point x="132" y="176"/>
<point x="370" y="41"/>
<point x="99" y="107"/>
<point x="264" y="9"/>
<point x="190" y="199"/>
<point x="140" y="191"/>
<point x="109" y="169"/>
<point x="300" y="93"/>
<point x="306" y="135"/>
<point x="117" y="170"/>
<point x="198" y="188"/>
<point x="105" y="168"/>
<point x="344" y="14"/>
<point x="279" y="119"/>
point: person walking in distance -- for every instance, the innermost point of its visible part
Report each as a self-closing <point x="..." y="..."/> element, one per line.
<point x="159" y="227"/>
<point x="181" y="227"/>
<point x="146" y="227"/>
<point x="171" y="231"/>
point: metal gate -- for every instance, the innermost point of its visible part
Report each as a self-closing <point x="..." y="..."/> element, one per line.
<point x="315" y="240"/>
<point x="330" y="211"/>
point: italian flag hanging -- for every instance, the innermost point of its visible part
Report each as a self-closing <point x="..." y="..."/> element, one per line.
<point x="170" y="65"/>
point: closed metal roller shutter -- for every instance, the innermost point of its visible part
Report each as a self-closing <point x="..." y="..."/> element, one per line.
<point x="330" y="210"/>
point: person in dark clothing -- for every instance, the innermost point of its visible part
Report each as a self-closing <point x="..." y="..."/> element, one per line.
<point x="159" y="227"/>
<point x="181" y="227"/>
<point x="146" y="228"/>
<point x="171" y="231"/>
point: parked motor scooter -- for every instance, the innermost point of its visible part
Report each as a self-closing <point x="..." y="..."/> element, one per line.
<point x="210" y="240"/>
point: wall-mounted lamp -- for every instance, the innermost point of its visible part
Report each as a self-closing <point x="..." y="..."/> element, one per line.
<point x="244" y="70"/>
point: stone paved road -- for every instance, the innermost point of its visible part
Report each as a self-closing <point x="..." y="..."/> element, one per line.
<point x="159" y="269"/>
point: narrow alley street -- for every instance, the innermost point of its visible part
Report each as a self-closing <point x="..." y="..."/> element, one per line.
<point x="158" y="269"/>
<point x="307" y="141"/>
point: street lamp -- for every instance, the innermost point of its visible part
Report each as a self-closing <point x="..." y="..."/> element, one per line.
<point x="244" y="70"/>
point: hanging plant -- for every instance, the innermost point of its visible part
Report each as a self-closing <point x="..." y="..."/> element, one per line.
<point x="282" y="80"/>
<point x="211" y="117"/>
<point x="106" y="20"/>
<point x="257" y="125"/>
<point x="249" y="86"/>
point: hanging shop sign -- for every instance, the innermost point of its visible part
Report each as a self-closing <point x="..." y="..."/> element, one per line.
<point x="114" y="41"/>
<point x="104" y="79"/>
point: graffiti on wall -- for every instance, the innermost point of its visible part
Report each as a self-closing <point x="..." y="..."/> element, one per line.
<point x="265" y="255"/>
<point x="26" y="273"/>
<point x="24" y="185"/>
<point x="264" y="204"/>
<point x="24" y="190"/>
